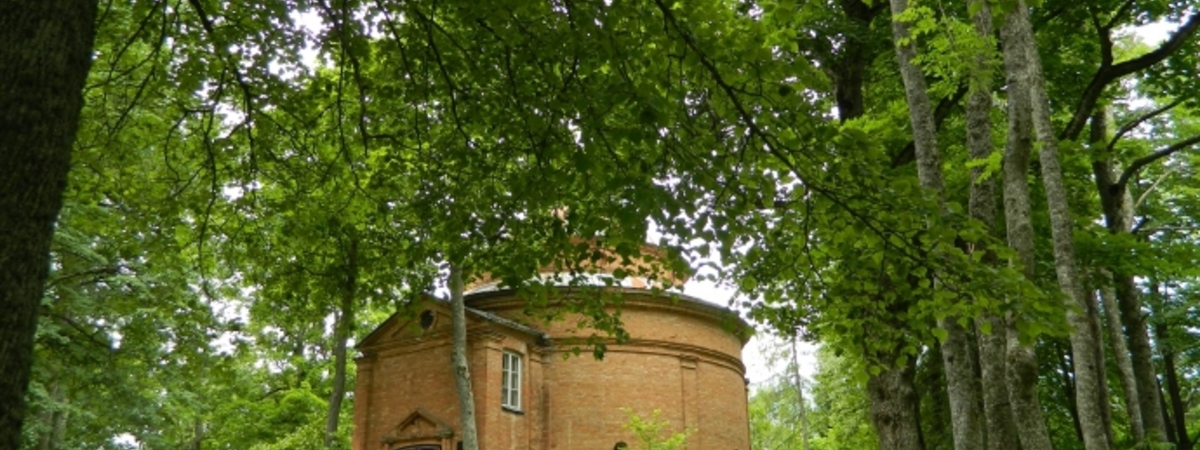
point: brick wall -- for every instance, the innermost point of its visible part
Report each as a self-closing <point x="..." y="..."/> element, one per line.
<point x="683" y="359"/>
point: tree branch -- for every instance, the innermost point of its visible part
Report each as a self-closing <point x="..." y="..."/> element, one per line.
<point x="1149" y="231"/>
<point x="1125" y="129"/>
<point x="1106" y="74"/>
<point x="1146" y="193"/>
<point x="1139" y="163"/>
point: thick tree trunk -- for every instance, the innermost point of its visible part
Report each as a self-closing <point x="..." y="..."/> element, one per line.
<point x="1090" y="389"/>
<point x="1141" y="357"/>
<point x="962" y="386"/>
<point x="958" y="359"/>
<point x="1022" y="376"/>
<point x="999" y="429"/>
<point x="894" y="408"/>
<point x="458" y="356"/>
<point x="850" y="65"/>
<point x="1021" y="371"/>
<point x="341" y="334"/>
<point x="1121" y="357"/>
<point x="920" y="113"/>
<point x="45" y="54"/>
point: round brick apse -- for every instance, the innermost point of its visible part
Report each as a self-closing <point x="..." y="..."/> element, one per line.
<point x="537" y="384"/>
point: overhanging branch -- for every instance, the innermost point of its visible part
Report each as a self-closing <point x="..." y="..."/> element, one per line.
<point x="1139" y="163"/>
<point x="1106" y="74"/>
<point x="1125" y="129"/>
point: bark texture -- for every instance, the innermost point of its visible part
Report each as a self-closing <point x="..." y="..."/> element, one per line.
<point x="920" y="112"/>
<point x="894" y="408"/>
<point x="958" y="360"/>
<point x="1141" y="356"/>
<point x="458" y="356"/>
<point x="45" y="55"/>
<point x="962" y="387"/>
<point x="1021" y="371"/>
<point x="999" y="430"/>
<point x="344" y="327"/>
<point x="1117" y="204"/>
<point x="1121" y="357"/>
<point x="1089" y="386"/>
<point x="1114" y="209"/>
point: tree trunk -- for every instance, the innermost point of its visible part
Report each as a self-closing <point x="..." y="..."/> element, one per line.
<point x="1183" y="440"/>
<point x="1089" y="386"/>
<point x="1121" y="357"/>
<point x="1117" y="204"/>
<point x="341" y="334"/>
<point x="1167" y="419"/>
<point x="1141" y="357"/>
<point x="803" y="408"/>
<point x="45" y="55"/>
<point x="962" y="386"/>
<point x="850" y="65"/>
<point x="898" y="430"/>
<point x="60" y="426"/>
<point x="54" y="419"/>
<point x="999" y="430"/>
<point x="197" y="440"/>
<point x="1102" y="368"/>
<point x="1099" y="136"/>
<point x="458" y="356"/>
<point x="920" y="113"/>
<point x="1021" y="371"/>
<point x="894" y="408"/>
<point x="1065" y="369"/>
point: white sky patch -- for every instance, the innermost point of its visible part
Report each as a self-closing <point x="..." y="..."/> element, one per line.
<point x="1155" y="33"/>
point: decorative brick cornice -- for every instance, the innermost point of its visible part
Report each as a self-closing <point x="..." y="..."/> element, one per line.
<point x="631" y="299"/>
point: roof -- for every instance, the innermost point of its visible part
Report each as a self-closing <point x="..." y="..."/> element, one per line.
<point x="542" y="338"/>
<point x="693" y="304"/>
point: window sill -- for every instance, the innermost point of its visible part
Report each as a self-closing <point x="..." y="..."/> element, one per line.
<point x="512" y="410"/>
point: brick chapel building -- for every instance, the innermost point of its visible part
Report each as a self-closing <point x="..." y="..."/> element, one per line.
<point x="683" y="358"/>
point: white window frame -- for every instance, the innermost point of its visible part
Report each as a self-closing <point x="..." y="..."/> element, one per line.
<point x="510" y="381"/>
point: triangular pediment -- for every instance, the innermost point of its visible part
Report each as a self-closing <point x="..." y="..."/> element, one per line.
<point x="429" y="317"/>
<point x="410" y="323"/>
<point x="418" y="426"/>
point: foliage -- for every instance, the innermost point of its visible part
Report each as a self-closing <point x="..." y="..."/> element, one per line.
<point x="245" y="169"/>
<point x="840" y="415"/>
<point x="649" y="432"/>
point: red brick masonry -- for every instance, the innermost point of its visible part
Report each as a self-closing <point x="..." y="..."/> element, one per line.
<point x="683" y="358"/>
